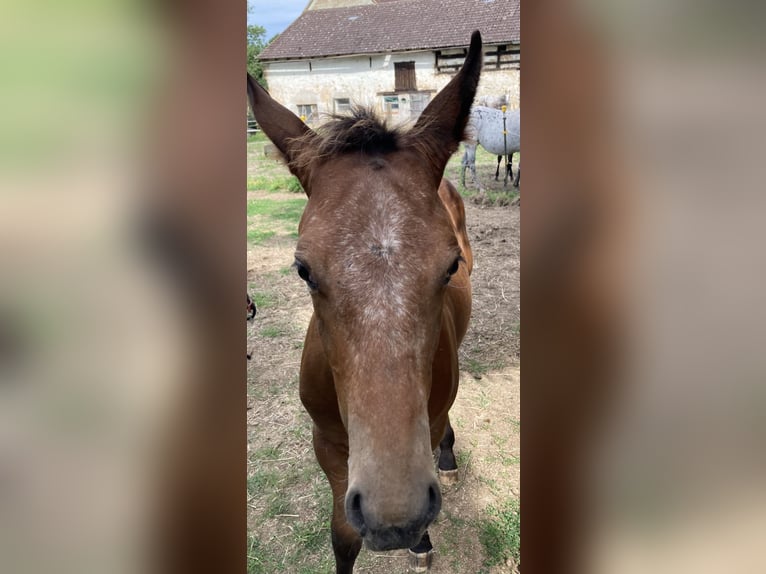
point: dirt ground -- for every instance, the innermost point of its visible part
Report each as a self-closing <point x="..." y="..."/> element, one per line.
<point x="289" y="502"/>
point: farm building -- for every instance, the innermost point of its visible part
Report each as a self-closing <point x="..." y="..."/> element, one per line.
<point x="391" y="55"/>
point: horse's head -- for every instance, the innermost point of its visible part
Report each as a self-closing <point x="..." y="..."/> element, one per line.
<point x="378" y="253"/>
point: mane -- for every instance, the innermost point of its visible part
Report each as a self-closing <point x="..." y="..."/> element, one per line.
<point x="361" y="131"/>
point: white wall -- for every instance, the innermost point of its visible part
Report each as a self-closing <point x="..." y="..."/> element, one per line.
<point x="363" y="78"/>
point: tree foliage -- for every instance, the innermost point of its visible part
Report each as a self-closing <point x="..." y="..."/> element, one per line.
<point x="255" y="45"/>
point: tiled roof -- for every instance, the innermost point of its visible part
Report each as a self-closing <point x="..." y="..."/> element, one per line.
<point x="396" y="25"/>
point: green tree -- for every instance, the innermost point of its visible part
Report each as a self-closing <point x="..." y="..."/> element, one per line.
<point x="255" y="45"/>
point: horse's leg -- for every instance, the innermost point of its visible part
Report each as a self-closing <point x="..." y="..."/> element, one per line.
<point x="447" y="463"/>
<point x="421" y="555"/>
<point x="475" y="177"/>
<point x="473" y="170"/>
<point x="497" y="171"/>
<point x="464" y="165"/>
<point x="346" y="542"/>
<point x="470" y="160"/>
<point x="517" y="178"/>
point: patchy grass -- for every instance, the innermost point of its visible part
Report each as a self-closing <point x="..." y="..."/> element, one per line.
<point x="475" y="367"/>
<point x="258" y="137"/>
<point x="265" y="453"/>
<point x="495" y="193"/>
<point x="287" y="183"/>
<point x="289" y="537"/>
<point x="463" y="457"/>
<point x="288" y="210"/>
<point x="269" y="218"/>
<point x="259" y="236"/>
<point x="264" y="299"/>
<point x="274" y="331"/>
<point x="500" y="533"/>
<point x="478" y="367"/>
<point x="262" y="480"/>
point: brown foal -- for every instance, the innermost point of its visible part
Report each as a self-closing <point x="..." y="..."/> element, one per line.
<point x="384" y="253"/>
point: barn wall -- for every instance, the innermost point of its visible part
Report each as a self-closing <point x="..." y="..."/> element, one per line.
<point x="364" y="79"/>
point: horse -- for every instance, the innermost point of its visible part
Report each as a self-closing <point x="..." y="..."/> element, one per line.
<point x="493" y="101"/>
<point x="485" y="128"/>
<point x="383" y="251"/>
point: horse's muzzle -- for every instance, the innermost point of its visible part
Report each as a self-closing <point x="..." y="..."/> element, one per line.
<point x="379" y="535"/>
<point x="393" y="538"/>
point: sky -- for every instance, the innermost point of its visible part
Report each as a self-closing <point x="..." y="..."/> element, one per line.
<point x="274" y="15"/>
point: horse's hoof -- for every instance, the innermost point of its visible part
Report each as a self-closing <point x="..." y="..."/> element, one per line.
<point x="448" y="477"/>
<point x="420" y="562"/>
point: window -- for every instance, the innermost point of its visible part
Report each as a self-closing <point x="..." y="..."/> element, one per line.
<point x="418" y="103"/>
<point x="307" y="112"/>
<point x="391" y="105"/>
<point x="404" y="76"/>
<point x="342" y="105"/>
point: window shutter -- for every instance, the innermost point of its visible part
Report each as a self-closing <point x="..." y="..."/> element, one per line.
<point x="404" y="77"/>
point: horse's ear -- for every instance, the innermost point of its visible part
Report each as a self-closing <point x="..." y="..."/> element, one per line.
<point x="286" y="130"/>
<point x="441" y="125"/>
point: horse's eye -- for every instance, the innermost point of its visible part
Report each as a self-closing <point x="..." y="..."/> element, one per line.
<point x="305" y="274"/>
<point x="453" y="268"/>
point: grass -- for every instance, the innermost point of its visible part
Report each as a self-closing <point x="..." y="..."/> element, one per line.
<point x="277" y="505"/>
<point x="313" y="534"/>
<point x="463" y="458"/>
<point x="302" y="536"/>
<point x="262" y="480"/>
<point x="492" y="197"/>
<point x="289" y="210"/>
<point x="269" y="217"/>
<point x="255" y="556"/>
<point x="477" y="367"/>
<point x="265" y="453"/>
<point x="484" y="400"/>
<point x="495" y="193"/>
<point x="500" y="533"/>
<point x="258" y="137"/>
<point x="274" y="331"/>
<point x="259" y="236"/>
<point x="450" y="548"/>
<point x="272" y="184"/>
<point x="264" y="299"/>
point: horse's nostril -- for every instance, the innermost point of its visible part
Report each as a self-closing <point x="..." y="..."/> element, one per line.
<point x="354" y="514"/>
<point x="434" y="501"/>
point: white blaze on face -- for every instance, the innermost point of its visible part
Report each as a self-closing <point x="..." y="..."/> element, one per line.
<point x="379" y="270"/>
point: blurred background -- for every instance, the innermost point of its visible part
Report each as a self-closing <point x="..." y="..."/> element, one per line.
<point x="642" y="287"/>
<point x="122" y="395"/>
